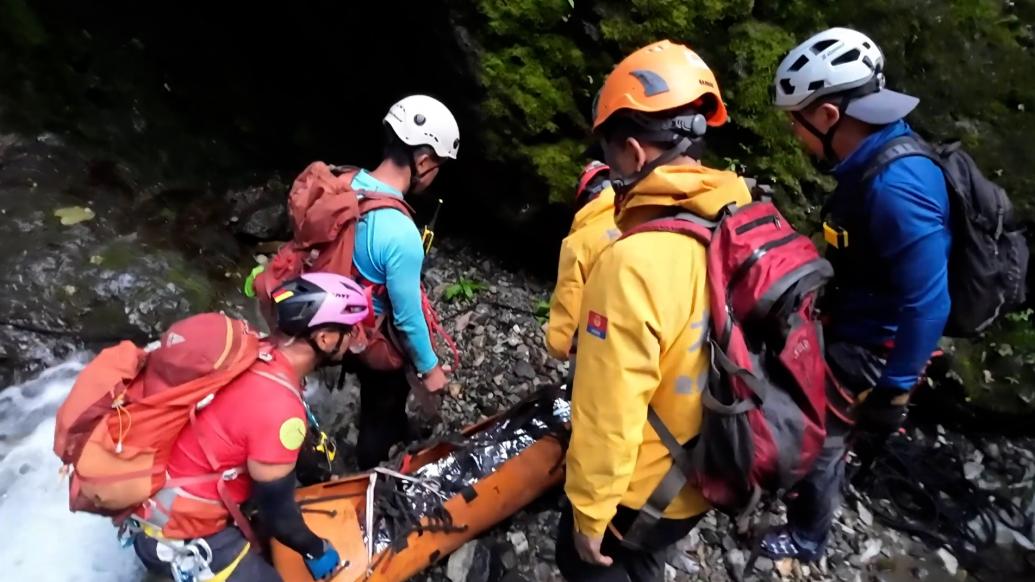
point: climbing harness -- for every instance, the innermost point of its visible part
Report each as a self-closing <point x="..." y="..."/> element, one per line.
<point x="189" y="561"/>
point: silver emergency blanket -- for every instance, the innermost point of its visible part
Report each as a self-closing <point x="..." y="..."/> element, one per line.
<point x="479" y="456"/>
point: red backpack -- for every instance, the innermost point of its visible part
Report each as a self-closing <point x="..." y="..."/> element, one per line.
<point x="116" y="429"/>
<point x="764" y="406"/>
<point x="324" y="211"/>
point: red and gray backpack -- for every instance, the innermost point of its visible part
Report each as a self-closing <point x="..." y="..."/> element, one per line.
<point x="765" y="401"/>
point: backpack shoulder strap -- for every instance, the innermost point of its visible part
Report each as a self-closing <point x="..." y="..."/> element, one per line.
<point x="896" y="149"/>
<point x="373" y="201"/>
<point x="672" y="483"/>
<point x="682" y="223"/>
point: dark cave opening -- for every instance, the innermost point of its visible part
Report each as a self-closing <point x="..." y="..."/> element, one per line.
<point x="227" y="95"/>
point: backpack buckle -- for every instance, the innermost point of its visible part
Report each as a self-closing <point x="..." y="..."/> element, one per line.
<point x="835" y="236"/>
<point x="205" y="402"/>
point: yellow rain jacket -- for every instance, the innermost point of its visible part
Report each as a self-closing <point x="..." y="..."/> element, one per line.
<point x="591" y="231"/>
<point x="641" y="341"/>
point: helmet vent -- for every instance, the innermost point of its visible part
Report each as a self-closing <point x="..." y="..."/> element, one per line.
<point x="787" y="86"/>
<point x="849" y="57"/>
<point x="798" y="64"/>
<point x="823" y="45"/>
<point x="652" y="82"/>
<point x="816" y="85"/>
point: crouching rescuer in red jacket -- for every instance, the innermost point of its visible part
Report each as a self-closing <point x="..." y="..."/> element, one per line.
<point x="257" y="422"/>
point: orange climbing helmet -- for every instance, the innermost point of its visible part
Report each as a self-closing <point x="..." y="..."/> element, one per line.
<point x="658" y="77"/>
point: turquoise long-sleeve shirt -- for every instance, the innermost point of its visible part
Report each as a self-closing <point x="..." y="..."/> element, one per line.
<point x="389" y="252"/>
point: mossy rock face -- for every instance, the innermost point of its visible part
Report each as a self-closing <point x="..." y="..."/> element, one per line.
<point x="969" y="61"/>
<point x="998" y="371"/>
<point x="104" y="278"/>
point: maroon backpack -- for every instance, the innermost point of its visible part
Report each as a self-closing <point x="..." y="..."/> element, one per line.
<point x="765" y="402"/>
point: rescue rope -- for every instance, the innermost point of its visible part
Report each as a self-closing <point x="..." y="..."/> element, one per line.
<point x="922" y="489"/>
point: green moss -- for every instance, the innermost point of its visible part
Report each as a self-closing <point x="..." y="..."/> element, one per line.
<point x="558" y="164"/>
<point x="968" y="60"/>
<point x="516" y="18"/>
<point x="198" y="289"/>
<point x="632" y="24"/>
<point x="121" y="255"/>
<point x="118" y="255"/>
<point x="998" y="370"/>
<point x="531" y="94"/>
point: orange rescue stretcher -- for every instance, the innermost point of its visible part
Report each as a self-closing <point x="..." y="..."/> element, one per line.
<point x="343" y="510"/>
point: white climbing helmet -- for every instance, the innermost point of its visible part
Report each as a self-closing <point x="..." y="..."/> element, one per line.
<point x="421" y="120"/>
<point x="840" y="61"/>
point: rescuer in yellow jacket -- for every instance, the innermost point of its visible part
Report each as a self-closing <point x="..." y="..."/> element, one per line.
<point x="644" y="319"/>
<point x="591" y="231"/>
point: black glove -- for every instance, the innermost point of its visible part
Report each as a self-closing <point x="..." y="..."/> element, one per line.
<point x="881" y="411"/>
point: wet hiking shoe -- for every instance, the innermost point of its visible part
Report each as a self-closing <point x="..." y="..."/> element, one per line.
<point x="781" y="543"/>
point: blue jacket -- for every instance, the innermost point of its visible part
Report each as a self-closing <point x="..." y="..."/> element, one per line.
<point x="389" y="252"/>
<point x="893" y="285"/>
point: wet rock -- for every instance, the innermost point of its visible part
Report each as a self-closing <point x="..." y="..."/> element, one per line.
<point x="710" y="536"/>
<point x="481" y="565"/>
<point x="764" y="564"/>
<point x="519" y="541"/>
<point x="735" y="562"/>
<point x="864" y="515"/>
<point x="460" y="562"/>
<point x="684" y="563"/>
<point x="871" y="550"/>
<point x="523" y="352"/>
<point x="524" y="370"/>
<point x="545" y="573"/>
<point x="992" y="450"/>
<point x="949" y="560"/>
<point x="972" y="470"/>
<point x="507" y="556"/>
<point x="690" y="543"/>
<point x="260" y="212"/>
<point x="120" y="275"/>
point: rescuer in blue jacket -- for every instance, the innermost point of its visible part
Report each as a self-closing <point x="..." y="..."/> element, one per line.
<point x="888" y="237"/>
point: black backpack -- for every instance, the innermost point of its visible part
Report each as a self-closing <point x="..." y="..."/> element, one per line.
<point x="989" y="259"/>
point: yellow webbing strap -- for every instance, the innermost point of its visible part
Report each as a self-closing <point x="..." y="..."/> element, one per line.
<point x="835" y="236"/>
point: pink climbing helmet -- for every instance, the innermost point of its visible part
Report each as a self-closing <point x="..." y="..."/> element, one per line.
<point x="316" y="300"/>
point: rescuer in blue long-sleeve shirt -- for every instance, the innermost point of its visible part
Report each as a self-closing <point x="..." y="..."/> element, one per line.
<point x="389" y="252"/>
<point x="422" y="135"/>
<point x="899" y="294"/>
<point x="888" y="237"/>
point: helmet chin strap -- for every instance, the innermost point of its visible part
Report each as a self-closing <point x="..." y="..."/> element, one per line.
<point x="827" y="139"/>
<point x="324" y="358"/>
<point x="685" y="132"/>
<point x="415" y="176"/>
<point x="685" y="146"/>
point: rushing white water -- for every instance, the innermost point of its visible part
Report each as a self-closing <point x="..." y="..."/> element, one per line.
<point x="42" y="539"/>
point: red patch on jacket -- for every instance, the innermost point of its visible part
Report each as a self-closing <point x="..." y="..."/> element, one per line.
<point x="597" y="325"/>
